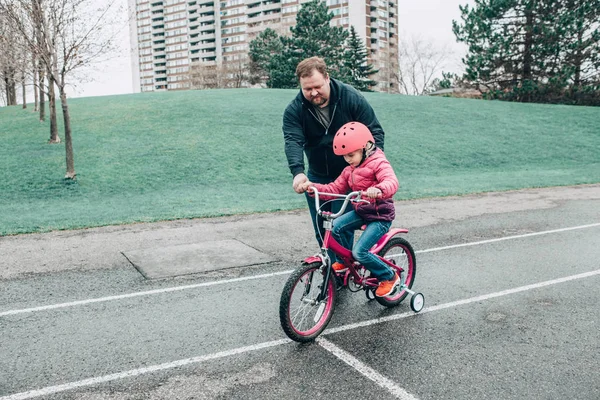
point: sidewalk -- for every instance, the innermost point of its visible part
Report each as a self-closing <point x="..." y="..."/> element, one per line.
<point x="279" y="236"/>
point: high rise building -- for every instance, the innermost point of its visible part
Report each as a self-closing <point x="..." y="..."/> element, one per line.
<point x="171" y="38"/>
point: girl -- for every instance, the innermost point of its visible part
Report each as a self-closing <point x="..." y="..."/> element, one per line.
<point x="370" y="172"/>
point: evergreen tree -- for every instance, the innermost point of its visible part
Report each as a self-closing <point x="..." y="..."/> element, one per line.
<point x="312" y="36"/>
<point x="262" y="54"/>
<point x="532" y="50"/>
<point x="579" y="29"/>
<point x="355" y="70"/>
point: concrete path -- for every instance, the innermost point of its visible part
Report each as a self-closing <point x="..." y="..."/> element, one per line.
<point x="266" y="237"/>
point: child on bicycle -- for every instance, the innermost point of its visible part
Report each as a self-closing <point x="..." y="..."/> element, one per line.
<point x="370" y="172"/>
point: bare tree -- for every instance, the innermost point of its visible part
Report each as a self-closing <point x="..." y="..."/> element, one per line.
<point x="231" y="74"/>
<point x="237" y="72"/>
<point x="421" y="61"/>
<point x="35" y="75"/>
<point x="205" y="76"/>
<point x="70" y="34"/>
<point x="8" y="53"/>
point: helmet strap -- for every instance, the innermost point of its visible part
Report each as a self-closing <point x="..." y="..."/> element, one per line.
<point x="364" y="156"/>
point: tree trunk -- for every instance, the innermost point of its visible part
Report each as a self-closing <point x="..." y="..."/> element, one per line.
<point x="527" y="52"/>
<point x="42" y="94"/>
<point x="11" y="89"/>
<point x="23" y="89"/>
<point x="36" y="94"/>
<point x="52" y="98"/>
<point x="68" y="142"/>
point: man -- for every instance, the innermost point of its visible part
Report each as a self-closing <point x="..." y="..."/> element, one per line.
<point x="311" y="121"/>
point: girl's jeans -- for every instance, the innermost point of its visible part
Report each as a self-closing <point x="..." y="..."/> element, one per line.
<point x="351" y="221"/>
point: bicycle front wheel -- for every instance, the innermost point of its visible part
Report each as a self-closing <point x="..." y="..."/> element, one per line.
<point x="305" y="309"/>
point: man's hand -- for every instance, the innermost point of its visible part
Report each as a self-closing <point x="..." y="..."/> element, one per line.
<point x="373" y="193"/>
<point x="298" y="183"/>
<point x="306" y="185"/>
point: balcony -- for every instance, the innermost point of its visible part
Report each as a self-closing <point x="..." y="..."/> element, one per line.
<point x="207" y="54"/>
<point x="271" y="7"/>
<point x="206" y="18"/>
<point x="207" y="46"/>
<point x="206" y="9"/>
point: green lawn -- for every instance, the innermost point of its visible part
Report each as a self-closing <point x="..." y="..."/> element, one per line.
<point x="170" y="155"/>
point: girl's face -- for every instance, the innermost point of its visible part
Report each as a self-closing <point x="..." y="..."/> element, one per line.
<point x="354" y="158"/>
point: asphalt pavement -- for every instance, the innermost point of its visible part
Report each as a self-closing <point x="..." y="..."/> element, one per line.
<point x="510" y="281"/>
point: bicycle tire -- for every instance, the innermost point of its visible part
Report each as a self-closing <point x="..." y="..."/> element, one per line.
<point x="305" y="321"/>
<point x="405" y="259"/>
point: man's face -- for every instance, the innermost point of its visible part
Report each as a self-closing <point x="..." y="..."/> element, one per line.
<point x="315" y="89"/>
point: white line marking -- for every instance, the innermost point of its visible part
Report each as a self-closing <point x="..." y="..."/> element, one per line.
<point x="137" y="294"/>
<point x="365" y="370"/>
<point x="248" y="278"/>
<point x="135" y="372"/>
<point x="462" y="302"/>
<point x="508" y="238"/>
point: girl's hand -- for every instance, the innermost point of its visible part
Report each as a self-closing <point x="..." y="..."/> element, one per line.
<point x="373" y="193"/>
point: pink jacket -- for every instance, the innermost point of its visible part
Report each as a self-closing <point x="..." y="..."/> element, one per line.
<point x="375" y="171"/>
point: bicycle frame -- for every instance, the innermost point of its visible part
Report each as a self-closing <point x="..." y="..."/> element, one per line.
<point x="309" y="294"/>
<point x="329" y="243"/>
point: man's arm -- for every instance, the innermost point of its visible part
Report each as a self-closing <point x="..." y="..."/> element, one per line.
<point x="293" y="137"/>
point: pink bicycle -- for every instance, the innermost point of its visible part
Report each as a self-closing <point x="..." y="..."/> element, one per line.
<point x="308" y="297"/>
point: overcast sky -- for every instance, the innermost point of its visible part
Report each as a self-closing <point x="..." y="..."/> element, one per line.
<point x="429" y="19"/>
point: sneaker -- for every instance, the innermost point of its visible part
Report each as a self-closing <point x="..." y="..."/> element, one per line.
<point x="386" y="288"/>
<point x="338" y="267"/>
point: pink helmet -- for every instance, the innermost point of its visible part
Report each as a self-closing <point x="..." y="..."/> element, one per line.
<point x="351" y="137"/>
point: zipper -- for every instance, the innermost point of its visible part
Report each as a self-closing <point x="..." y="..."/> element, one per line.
<point x="318" y="120"/>
<point x="332" y="116"/>
<point x="326" y="130"/>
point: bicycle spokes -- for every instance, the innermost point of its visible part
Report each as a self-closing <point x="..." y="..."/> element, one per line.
<point x="307" y="302"/>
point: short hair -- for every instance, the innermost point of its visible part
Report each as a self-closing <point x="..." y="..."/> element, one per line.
<point x="306" y="67"/>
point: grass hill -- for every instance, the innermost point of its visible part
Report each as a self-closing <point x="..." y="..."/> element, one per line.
<point x="170" y="155"/>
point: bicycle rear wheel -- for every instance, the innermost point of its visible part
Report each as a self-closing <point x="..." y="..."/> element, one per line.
<point x="400" y="253"/>
<point x="304" y="309"/>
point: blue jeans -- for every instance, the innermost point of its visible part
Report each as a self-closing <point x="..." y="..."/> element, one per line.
<point x="333" y="206"/>
<point x="351" y="221"/>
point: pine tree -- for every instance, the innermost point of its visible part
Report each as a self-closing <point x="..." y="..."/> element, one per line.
<point x="312" y="36"/>
<point x="262" y="51"/>
<point x="532" y="50"/>
<point x="355" y="70"/>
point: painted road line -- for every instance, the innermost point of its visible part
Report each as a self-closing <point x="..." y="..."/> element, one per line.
<point x="457" y="303"/>
<point x="138" y="294"/>
<point x="525" y="235"/>
<point x="47" y="391"/>
<point x="240" y="350"/>
<point x="366" y="371"/>
<point x="262" y="276"/>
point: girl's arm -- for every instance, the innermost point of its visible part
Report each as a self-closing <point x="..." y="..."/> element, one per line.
<point x="339" y="186"/>
<point x="387" y="180"/>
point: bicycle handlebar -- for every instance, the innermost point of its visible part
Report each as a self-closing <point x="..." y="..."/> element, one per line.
<point x="352" y="196"/>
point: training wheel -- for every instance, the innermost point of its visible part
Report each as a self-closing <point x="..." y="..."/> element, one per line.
<point x="417" y="301"/>
<point x="370" y="293"/>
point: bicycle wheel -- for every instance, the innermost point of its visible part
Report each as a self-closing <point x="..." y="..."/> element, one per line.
<point x="302" y="311"/>
<point x="399" y="252"/>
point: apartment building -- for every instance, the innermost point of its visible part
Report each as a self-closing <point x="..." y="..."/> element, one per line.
<point x="170" y="37"/>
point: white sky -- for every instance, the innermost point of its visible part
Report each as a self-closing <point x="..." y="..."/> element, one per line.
<point x="430" y="20"/>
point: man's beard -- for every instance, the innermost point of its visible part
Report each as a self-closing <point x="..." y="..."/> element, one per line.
<point x="319" y="101"/>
